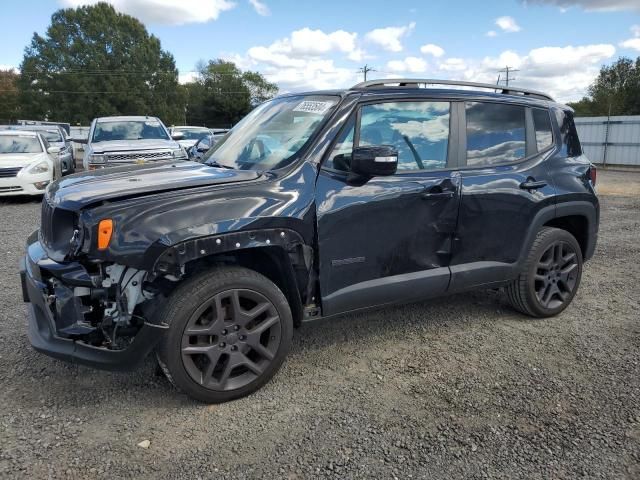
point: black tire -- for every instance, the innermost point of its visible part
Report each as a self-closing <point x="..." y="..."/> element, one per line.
<point x="551" y="275"/>
<point x="202" y="314"/>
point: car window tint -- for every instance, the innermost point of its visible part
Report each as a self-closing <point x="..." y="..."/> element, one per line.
<point x="542" y="124"/>
<point x="495" y="133"/>
<point x="419" y="131"/>
<point x="340" y="157"/>
<point x="568" y="134"/>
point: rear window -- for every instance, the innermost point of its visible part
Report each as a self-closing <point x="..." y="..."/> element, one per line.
<point x="495" y="133"/>
<point x="542" y="125"/>
<point x="570" y="144"/>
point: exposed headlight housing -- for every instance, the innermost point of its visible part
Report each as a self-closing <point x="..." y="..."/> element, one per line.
<point x="40" y="167"/>
<point x="179" y="154"/>
<point x="97" y="158"/>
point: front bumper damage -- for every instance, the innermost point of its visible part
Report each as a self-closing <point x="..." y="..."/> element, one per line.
<point x="57" y="317"/>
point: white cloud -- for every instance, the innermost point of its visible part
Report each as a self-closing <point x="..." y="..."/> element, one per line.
<point x="165" y="12"/>
<point x="389" y="38"/>
<point x="633" y="43"/>
<point x="187" y="77"/>
<point x="431" y="49"/>
<point x="409" y="64"/>
<point x="304" y="43"/>
<point x="563" y="72"/>
<point x="4" y="68"/>
<point x="453" y="65"/>
<point x="508" y="24"/>
<point x="314" y="74"/>
<point x="261" y="8"/>
<point x="491" y="33"/>
<point x="592" y="5"/>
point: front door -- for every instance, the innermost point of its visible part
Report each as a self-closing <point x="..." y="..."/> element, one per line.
<point x="388" y="239"/>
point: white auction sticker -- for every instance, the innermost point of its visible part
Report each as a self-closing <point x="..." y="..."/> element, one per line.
<point x="311" y="106"/>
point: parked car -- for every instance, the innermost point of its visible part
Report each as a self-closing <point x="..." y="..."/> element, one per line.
<point x="129" y="140"/>
<point x="190" y="135"/>
<point x="202" y="146"/>
<point x="56" y="137"/>
<point x="313" y="206"/>
<point x="26" y="163"/>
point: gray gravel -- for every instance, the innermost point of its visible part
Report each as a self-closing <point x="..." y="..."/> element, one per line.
<point x="460" y="387"/>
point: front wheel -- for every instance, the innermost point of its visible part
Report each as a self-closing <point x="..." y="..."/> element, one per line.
<point x="551" y="275"/>
<point x="230" y="330"/>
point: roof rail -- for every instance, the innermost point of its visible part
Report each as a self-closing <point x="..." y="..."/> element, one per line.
<point x="415" y="82"/>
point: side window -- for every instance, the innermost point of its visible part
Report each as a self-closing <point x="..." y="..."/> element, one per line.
<point x="568" y="134"/>
<point x="495" y="133"/>
<point x="542" y="125"/>
<point x="418" y="130"/>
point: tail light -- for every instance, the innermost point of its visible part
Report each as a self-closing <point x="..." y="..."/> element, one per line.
<point x="593" y="175"/>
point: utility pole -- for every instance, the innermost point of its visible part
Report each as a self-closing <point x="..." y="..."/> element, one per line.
<point x="364" y="70"/>
<point x="507" y="70"/>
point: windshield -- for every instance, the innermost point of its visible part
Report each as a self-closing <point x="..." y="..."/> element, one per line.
<point x="19" y="144"/>
<point x="192" y="133"/>
<point x="129" y="130"/>
<point x="271" y="136"/>
<point x="52" y="136"/>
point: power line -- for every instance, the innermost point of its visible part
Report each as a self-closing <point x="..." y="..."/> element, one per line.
<point x="507" y="70"/>
<point x="366" y="69"/>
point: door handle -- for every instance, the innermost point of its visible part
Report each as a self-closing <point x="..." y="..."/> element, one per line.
<point x="434" y="195"/>
<point x="531" y="184"/>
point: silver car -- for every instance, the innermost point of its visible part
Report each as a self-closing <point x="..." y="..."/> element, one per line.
<point x="190" y="135"/>
<point x="129" y="140"/>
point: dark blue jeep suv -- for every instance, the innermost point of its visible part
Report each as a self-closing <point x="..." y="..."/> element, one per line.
<point x="314" y="205"/>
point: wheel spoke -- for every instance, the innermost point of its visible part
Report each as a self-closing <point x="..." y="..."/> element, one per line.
<point x="215" y="324"/>
<point x="542" y="278"/>
<point x="254" y="342"/>
<point x="198" y="350"/>
<point x="265" y="325"/>
<point x="557" y="253"/>
<point x="546" y="298"/>
<point x="568" y="269"/>
<point x="568" y="259"/>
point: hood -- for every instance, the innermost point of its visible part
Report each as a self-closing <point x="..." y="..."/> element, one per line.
<point x="8" y="160"/>
<point x="133" y="145"/>
<point x="187" y="143"/>
<point x="77" y="191"/>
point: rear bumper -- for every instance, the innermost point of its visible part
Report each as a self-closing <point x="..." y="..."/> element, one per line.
<point x="45" y="319"/>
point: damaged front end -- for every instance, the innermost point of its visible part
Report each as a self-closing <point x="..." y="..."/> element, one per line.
<point x="97" y="314"/>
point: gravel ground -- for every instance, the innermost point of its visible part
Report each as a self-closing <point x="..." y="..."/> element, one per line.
<point x="460" y="387"/>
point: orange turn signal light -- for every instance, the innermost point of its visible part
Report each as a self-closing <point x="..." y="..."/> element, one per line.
<point x="105" y="230"/>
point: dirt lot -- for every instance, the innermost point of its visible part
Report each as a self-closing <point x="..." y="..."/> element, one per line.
<point x="461" y="387"/>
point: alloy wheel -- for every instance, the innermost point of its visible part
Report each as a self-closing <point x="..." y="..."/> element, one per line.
<point x="556" y="275"/>
<point x="231" y="339"/>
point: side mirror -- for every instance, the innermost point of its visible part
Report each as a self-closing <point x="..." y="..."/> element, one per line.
<point x="177" y="135"/>
<point x="53" y="150"/>
<point x="81" y="140"/>
<point x="374" y="161"/>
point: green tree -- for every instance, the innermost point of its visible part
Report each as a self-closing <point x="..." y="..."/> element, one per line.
<point x="223" y="94"/>
<point x="617" y="87"/>
<point x="9" y="96"/>
<point x="94" y="62"/>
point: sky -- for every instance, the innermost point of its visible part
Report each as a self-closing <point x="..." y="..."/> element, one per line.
<point x="558" y="46"/>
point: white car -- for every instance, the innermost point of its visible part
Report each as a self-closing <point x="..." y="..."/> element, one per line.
<point x="190" y="135"/>
<point x="26" y="163"/>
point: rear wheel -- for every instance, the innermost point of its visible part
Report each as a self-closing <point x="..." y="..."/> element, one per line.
<point x="551" y="275"/>
<point x="230" y="330"/>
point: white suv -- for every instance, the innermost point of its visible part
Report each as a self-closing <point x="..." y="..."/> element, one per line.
<point x="129" y="140"/>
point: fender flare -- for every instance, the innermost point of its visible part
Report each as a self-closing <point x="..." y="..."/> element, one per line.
<point x="572" y="208"/>
<point x="174" y="257"/>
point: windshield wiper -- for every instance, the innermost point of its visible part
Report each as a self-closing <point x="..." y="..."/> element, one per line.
<point x="212" y="163"/>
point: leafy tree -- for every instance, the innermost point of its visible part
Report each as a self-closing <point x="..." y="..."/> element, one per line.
<point x="223" y="94"/>
<point x="617" y="87"/>
<point x="9" y="96"/>
<point x="94" y="62"/>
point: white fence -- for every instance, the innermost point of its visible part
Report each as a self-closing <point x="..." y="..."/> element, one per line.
<point x="610" y="140"/>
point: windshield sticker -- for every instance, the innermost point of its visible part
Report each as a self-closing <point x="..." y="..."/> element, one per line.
<point x="310" y="106"/>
